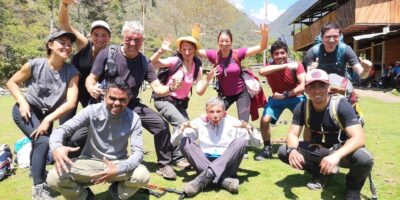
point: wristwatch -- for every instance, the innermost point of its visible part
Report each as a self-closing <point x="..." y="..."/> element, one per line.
<point x="289" y="150"/>
<point x="286" y="94"/>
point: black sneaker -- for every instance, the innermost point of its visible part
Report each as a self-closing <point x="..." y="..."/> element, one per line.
<point x="196" y="185"/>
<point x="318" y="183"/>
<point x="266" y="153"/>
<point x="352" y="195"/>
<point x="113" y="190"/>
<point x="90" y="195"/>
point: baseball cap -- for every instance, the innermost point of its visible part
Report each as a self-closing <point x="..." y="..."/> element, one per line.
<point x="58" y="33"/>
<point x="100" y="23"/>
<point x="316" y="75"/>
<point x="188" y="39"/>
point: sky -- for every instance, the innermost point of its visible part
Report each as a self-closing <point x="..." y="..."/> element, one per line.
<point x="256" y="8"/>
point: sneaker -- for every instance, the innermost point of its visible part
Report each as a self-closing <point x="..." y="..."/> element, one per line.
<point x="90" y="195"/>
<point x="266" y="153"/>
<point x="113" y="190"/>
<point x="196" y="185"/>
<point x="41" y="192"/>
<point x="231" y="185"/>
<point x="318" y="183"/>
<point x="352" y="195"/>
<point x="182" y="164"/>
<point x="167" y="172"/>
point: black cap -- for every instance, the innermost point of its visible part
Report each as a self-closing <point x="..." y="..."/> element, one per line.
<point x="58" y="33"/>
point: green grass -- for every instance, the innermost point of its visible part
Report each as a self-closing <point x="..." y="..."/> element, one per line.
<point x="269" y="179"/>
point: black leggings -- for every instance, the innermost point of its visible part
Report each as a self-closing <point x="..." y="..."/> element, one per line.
<point x="243" y="101"/>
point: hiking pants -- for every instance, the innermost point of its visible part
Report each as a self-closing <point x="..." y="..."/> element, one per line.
<point x="71" y="185"/>
<point x="40" y="146"/>
<point x="224" y="166"/>
<point x="157" y="126"/>
<point x="243" y="102"/>
<point x="175" y="115"/>
<point x="360" y="163"/>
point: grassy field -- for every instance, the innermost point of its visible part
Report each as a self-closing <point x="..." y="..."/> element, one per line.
<point x="269" y="179"/>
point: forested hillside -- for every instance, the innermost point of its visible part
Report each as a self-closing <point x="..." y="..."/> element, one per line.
<point x="25" y="24"/>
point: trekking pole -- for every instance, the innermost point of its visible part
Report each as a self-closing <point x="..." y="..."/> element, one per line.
<point x="372" y="188"/>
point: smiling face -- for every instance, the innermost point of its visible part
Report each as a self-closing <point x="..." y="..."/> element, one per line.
<point x="215" y="114"/>
<point x="330" y="39"/>
<point x="132" y="41"/>
<point x="318" y="92"/>
<point x="61" y="47"/>
<point x="279" y="56"/>
<point x="100" y="37"/>
<point x="116" y="100"/>
<point x="188" y="50"/>
<point x="224" y="42"/>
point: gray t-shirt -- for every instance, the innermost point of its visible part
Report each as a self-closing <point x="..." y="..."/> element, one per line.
<point x="108" y="135"/>
<point x="47" y="88"/>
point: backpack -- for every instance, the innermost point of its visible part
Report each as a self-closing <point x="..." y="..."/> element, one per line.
<point x="318" y="49"/>
<point x="166" y="72"/>
<point x="6" y="159"/>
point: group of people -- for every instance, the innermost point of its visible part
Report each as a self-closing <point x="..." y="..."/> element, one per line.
<point x="91" y="146"/>
<point x="391" y="75"/>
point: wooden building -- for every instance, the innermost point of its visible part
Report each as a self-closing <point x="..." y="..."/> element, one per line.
<point x="371" y="27"/>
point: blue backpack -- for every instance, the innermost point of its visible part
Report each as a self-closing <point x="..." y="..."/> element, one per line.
<point x="6" y="159"/>
<point x="339" y="65"/>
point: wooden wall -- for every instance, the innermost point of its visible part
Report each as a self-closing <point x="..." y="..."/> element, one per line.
<point x="392" y="50"/>
<point x="377" y="12"/>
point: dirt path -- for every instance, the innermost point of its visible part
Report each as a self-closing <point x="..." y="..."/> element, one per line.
<point x="382" y="95"/>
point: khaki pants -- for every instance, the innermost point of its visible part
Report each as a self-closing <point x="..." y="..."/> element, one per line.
<point x="70" y="185"/>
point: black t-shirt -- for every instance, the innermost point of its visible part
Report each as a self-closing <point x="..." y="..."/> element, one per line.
<point x="83" y="60"/>
<point x="330" y="59"/>
<point x="345" y="112"/>
<point x="132" y="71"/>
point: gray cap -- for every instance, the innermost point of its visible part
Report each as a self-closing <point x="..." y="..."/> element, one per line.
<point x="100" y="23"/>
<point x="58" y="33"/>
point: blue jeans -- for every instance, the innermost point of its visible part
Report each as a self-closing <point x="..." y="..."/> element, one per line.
<point x="40" y="146"/>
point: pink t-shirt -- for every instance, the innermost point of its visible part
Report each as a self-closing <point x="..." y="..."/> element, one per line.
<point x="187" y="79"/>
<point x="282" y="80"/>
<point x="231" y="83"/>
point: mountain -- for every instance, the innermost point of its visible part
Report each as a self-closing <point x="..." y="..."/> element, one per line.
<point x="280" y="27"/>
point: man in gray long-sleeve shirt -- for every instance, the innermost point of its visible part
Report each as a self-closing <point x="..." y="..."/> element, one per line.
<point x="104" y="157"/>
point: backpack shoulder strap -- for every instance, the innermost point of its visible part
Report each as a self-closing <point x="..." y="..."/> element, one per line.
<point x="111" y="68"/>
<point x="340" y="54"/>
<point x="307" y="113"/>
<point x="235" y="56"/>
<point x="333" y="110"/>
<point x="197" y="65"/>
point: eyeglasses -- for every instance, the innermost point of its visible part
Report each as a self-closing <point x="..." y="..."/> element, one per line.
<point x="136" y="40"/>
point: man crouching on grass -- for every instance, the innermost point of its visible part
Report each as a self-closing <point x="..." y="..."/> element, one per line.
<point x="326" y="145"/>
<point x="104" y="157"/>
<point x="221" y="143"/>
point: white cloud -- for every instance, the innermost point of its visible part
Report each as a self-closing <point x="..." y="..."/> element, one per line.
<point x="237" y="3"/>
<point x="272" y="12"/>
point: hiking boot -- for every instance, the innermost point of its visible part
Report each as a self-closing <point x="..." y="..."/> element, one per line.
<point x="167" y="172"/>
<point x="182" y="164"/>
<point x="266" y="153"/>
<point x="113" y="190"/>
<point x="318" y="183"/>
<point x="201" y="181"/>
<point x="231" y="185"/>
<point x="41" y="192"/>
<point x="352" y="195"/>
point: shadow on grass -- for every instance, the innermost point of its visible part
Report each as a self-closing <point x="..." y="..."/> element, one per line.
<point x="333" y="190"/>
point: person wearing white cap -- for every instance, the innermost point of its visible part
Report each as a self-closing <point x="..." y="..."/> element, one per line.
<point x="329" y="146"/>
<point x="184" y="69"/>
<point x="87" y="50"/>
<point x="52" y="92"/>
